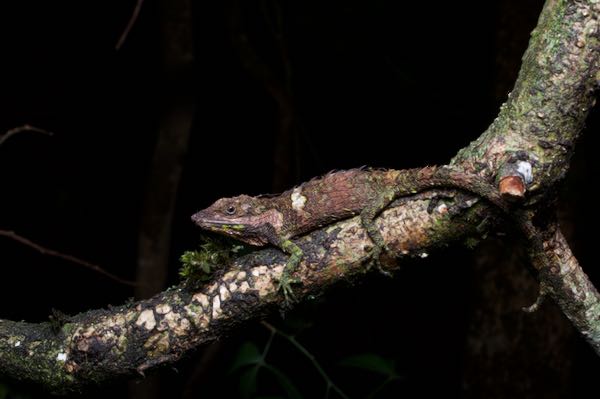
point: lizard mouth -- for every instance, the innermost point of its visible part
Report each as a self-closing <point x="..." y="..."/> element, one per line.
<point x="211" y="223"/>
<point x="223" y="226"/>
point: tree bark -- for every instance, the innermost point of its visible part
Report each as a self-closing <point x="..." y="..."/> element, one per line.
<point x="532" y="138"/>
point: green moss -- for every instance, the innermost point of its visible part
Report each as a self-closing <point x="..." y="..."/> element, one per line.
<point x="214" y="253"/>
<point x="68" y="328"/>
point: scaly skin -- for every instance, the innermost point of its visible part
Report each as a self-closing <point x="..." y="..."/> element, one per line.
<point x="339" y="195"/>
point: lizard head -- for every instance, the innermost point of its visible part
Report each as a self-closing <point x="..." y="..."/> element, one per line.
<point x="244" y="218"/>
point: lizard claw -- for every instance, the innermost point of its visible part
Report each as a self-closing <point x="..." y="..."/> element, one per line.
<point x="285" y="286"/>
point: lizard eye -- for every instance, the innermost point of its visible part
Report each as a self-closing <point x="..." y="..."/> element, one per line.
<point x="230" y="210"/>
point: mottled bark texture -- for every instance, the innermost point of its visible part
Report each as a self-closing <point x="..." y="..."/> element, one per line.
<point x="536" y="129"/>
<point x="101" y="345"/>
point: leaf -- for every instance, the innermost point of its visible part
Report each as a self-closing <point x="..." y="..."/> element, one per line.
<point x="291" y="391"/>
<point x="248" y="354"/>
<point x="248" y="382"/>
<point x="371" y="362"/>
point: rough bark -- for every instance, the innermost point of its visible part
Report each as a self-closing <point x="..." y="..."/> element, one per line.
<point x="537" y="127"/>
<point x="495" y="364"/>
<point x="101" y="345"/>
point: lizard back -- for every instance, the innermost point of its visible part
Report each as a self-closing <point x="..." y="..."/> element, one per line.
<point x="334" y="196"/>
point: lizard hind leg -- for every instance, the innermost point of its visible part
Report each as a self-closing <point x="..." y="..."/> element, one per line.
<point x="367" y="218"/>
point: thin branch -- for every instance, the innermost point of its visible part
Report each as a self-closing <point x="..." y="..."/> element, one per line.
<point x="308" y="355"/>
<point x="562" y="279"/>
<point x="132" y="20"/>
<point x="22" y="129"/>
<point x="70" y="258"/>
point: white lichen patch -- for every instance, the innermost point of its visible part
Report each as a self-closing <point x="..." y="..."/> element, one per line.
<point x="202" y="299"/>
<point x="211" y="289"/>
<point x="163" y="308"/>
<point x="229" y="276"/>
<point x="525" y="170"/>
<point x="241" y="276"/>
<point x="471" y="202"/>
<point x="15" y="340"/>
<point x="224" y="293"/>
<point x="185" y="324"/>
<point x="216" y="308"/>
<point x="175" y="323"/>
<point x="146" y="319"/>
<point x="264" y="283"/>
<point x="233" y="287"/>
<point x="244" y="287"/>
<point x="61" y="357"/>
<point x="298" y="200"/>
<point x="260" y="270"/>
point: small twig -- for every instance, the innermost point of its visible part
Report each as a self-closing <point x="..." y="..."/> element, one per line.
<point x="21" y="129"/>
<point x="307" y="354"/>
<point x="132" y="19"/>
<point x="50" y="252"/>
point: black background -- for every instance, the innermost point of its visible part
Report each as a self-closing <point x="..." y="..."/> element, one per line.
<point x="379" y="83"/>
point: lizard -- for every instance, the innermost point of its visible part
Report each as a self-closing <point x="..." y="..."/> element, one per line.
<point x="276" y="219"/>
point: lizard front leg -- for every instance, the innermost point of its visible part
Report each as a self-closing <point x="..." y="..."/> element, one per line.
<point x="285" y="281"/>
<point x="294" y="251"/>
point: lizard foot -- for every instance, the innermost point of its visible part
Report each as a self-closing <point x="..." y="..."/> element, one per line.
<point x="285" y="286"/>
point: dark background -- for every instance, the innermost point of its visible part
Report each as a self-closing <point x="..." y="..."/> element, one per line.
<point x="379" y="83"/>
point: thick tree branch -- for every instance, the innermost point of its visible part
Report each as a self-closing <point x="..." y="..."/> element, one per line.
<point x="546" y="111"/>
<point x="563" y="279"/>
<point x="102" y="345"/>
<point x="536" y="129"/>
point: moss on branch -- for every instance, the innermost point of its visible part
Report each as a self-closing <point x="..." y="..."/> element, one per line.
<point x="546" y="111"/>
<point x="102" y="345"/>
<point x="538" y="125"/>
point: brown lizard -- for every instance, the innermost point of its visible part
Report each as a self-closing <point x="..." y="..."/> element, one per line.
<point x="274" y="220"/>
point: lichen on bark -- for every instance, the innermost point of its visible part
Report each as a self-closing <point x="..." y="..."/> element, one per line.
<point x="538" y="125"/>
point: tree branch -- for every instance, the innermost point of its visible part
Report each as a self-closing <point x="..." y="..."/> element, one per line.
<point x="101" y="345"/>
<point x="532" y="139"/>
<point x="546" y="111"/>
<point x="534" y="135"/>
<point x="132" y="19"/>
<point x="69" y="258"/>
<point x="563" y="280"/>
<point x="21" y="129"/>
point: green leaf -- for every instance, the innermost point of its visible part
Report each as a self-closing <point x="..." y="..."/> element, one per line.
<point x="248" y="382"/>
<point x="371" y="362"/>
<point x="248" y="354"/>
<point x="291" y="391"/>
